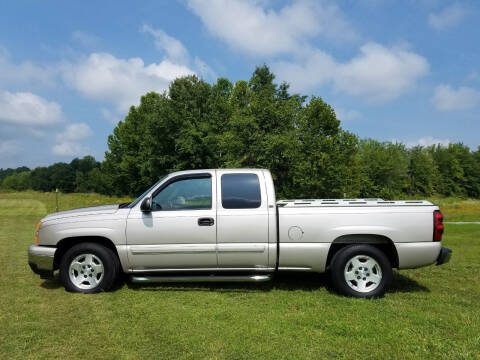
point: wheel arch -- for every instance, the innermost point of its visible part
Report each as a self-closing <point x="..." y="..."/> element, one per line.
<point x="66" y="243"/>
<point x="383" y="243"/>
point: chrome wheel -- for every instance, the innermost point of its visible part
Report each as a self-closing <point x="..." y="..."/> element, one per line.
<point x="363" y="273"/>
<point x="86" y="271"/>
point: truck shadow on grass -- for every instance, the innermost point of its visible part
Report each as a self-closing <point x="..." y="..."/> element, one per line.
<point x="282" y="281"/>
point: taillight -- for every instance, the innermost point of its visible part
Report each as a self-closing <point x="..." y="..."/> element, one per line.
<point x="437" y="225"/>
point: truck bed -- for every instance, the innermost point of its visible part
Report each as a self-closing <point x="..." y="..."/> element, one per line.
<point x="295" y="203"/>
<point x="310" y="226"/>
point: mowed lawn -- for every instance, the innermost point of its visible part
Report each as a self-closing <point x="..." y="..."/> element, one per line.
<point x="432" y="312"/>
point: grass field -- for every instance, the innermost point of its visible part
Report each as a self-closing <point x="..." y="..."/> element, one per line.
<point x="432" y="312"/>
<point x="455" y="209"/>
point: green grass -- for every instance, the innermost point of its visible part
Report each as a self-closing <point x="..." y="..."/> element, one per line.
<point x="432" y="312"/>
<point x="65" y="201"/>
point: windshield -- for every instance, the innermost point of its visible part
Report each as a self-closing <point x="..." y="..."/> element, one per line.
<point x="133" y="203"/>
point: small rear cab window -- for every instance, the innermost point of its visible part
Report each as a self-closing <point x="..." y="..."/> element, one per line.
<point x="240" y="191"/>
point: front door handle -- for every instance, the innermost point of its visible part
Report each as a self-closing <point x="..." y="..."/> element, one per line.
<point x="206" y="221"/>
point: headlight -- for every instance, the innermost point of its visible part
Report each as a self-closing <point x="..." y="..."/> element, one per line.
<point x="37" y="229"/>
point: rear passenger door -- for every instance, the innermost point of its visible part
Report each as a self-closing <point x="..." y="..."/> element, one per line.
<point x="242" y="219"/>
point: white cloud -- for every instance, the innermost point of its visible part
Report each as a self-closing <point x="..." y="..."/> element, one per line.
<point x="378" y="73"/>
<point x="69" y="140"/>
<point x="427" y="141"/>
<point x="347" y="115"/>
<point x="307" y="73"/>
<point x="9" y="148"/>
<point x="473" y="76"/>
<point x="445" y="98"/>
<point x="25" y="108"/>
<point x="70" y="149"/>
<point x="75" y="132"/>
<point x="110" y="116"/>
<point x="173" y="48"/>
<point x="103" y="77"/>
<point x="203" y="69"/>
<point x="176" y="52"/>
<point x="85" y="39"/>
<point x="25" y="73"/>
<point x="448" y="17"/>
<point x="249" y="27"/>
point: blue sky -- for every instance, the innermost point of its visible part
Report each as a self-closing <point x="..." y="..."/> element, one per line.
<point x="396" y="71"/>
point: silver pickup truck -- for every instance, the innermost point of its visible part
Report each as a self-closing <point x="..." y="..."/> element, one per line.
<point x="226" y="225"/>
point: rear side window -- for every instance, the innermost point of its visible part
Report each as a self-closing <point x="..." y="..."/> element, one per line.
<point x="240" y="191"/>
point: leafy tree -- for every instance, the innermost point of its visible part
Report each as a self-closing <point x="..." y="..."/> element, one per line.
<point x="422" y="171"/>
<point x="62" y="177"/>
<point x="475" y="174"/>
<point x="41" y="179"/>
<point x="127" y="157"/>
<point x="7" y="172"/>
<point x="451" y="173"/>
<point x="385" y="169"/>
<point x="84" y="165"/>
<point x="92" y="181"/>
<point x="325" y="160"/>
<point x="19" y="181"/>
<point x="255" y="123"/>
<point x="261" y="130"/>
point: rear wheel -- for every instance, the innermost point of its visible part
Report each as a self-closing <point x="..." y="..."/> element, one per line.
<point x="89" y="268"/>
<point x="361" y="271"/>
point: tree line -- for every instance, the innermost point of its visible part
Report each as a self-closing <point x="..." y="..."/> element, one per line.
<point x="255" y="123"/>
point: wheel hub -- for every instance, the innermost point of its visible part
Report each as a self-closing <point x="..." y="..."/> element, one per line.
<point x="363" y="273"/>
<point x="86" y="271"/>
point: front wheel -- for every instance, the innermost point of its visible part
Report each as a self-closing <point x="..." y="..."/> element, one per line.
<point x="88" y="268"/>
<point x="361" y="271"/>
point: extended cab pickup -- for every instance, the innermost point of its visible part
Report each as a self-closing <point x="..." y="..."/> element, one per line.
<point x="226" y="225"/>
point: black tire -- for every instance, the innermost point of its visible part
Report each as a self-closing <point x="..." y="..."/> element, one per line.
<point x="110" y="262"/>
<point x="339" y="263"/>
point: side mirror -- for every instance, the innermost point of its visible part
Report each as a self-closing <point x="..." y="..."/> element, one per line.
<point x="146" y="205"/>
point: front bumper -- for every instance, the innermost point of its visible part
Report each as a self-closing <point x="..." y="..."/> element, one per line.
<point x="40" y="259"/>
<point x="444" y="256"/>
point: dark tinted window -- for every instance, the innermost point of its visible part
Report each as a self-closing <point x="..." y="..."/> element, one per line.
<point x="240" y="191"/>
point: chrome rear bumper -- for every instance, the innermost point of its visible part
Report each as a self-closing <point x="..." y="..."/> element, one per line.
<point x="40" y="259"/>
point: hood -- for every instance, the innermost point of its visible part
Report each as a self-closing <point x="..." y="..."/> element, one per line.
<point x="92" y="210"/>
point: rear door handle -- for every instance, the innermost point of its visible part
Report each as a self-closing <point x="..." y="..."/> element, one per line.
<point x="206" y="221"/>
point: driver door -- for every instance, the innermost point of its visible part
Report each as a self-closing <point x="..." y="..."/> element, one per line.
<point x="180" y="231"/>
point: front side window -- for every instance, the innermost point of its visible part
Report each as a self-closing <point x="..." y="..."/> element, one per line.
<point x="240" y="191"/>
<point x="186" y="194"/>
